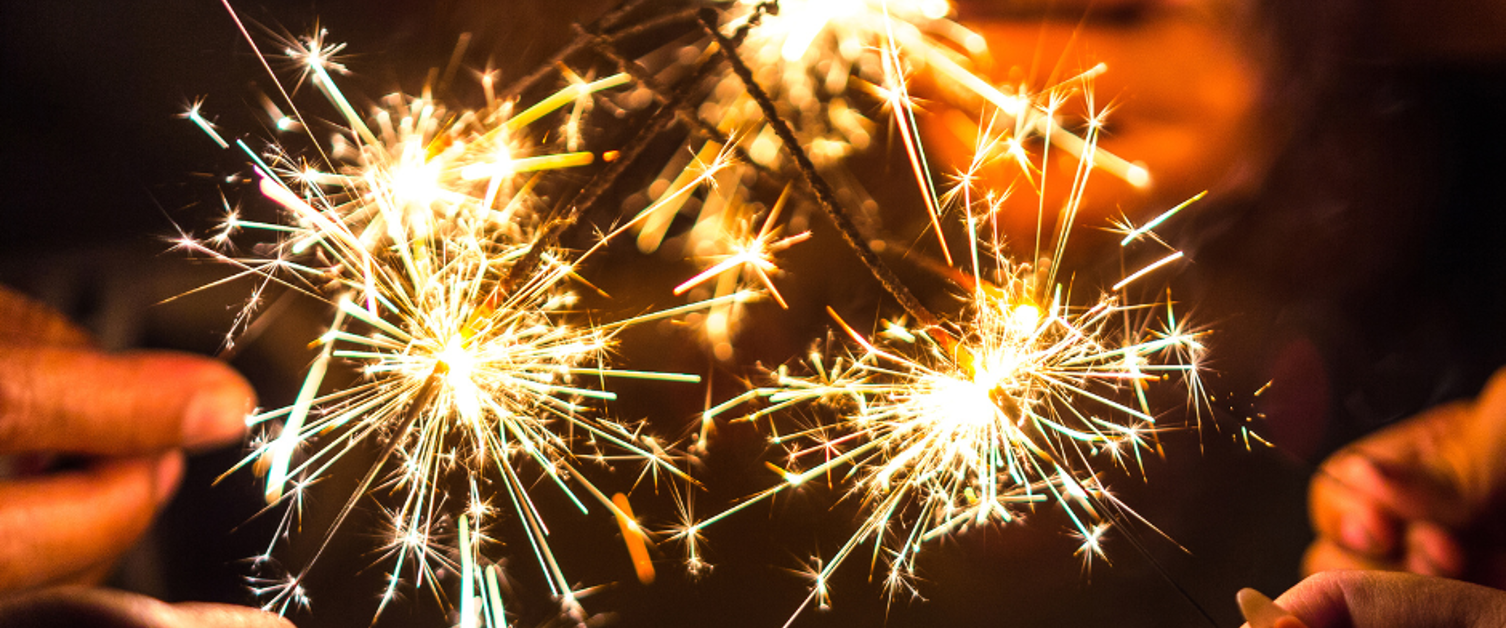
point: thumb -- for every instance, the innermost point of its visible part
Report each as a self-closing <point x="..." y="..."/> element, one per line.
<point x="87" y="402"/>
<point x="104" y="608"/>
<point x="1383" y="599"/>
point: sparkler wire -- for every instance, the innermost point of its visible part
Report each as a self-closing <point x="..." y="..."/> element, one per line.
<point x="602" y="27"/>
<point x="682" y="106"/>
<point x="599" y="185"/>
<point x="824" y="194"/>
<point x="546" y="69"/>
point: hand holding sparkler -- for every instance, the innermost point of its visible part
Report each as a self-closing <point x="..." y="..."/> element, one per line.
<point x="129" y="417"/>
<point x="1425" y="495"/>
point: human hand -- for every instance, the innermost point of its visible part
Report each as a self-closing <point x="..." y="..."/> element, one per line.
<point x="1378" y="599"/>
<point x="102" y="608"/>
<point x="124" y="419"/>
<point x="1425" y="495"/>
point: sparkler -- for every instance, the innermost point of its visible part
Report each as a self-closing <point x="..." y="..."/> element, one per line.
<point x="422" y="231"/>
<point x="1015" y="401"/>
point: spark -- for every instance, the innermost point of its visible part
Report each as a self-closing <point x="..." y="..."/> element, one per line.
<point x="1148" y="269"/>
<point x="817" y="47"/>
<point x="1138" y="232"/>
<point x="197" y="118"/>
<point x="753" y="253"/>
<point x="635" y="539"/>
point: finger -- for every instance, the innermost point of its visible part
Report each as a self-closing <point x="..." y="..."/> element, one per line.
<point x="27" y="322"/>
<point x="1375" y="599"/>
<point x="93" y="575"/>
<point x="58" y="526"/>
<point x="101" y="608"/>
<point x="1432" y="550"/>
<point x="83" y="401"/>
<point x="1493" y="396"/>
<point x="1325" y="555"/>
<point x="1417" y="470"/>
<point x="1344" y="511"/>
<point x="1423" y="547"/>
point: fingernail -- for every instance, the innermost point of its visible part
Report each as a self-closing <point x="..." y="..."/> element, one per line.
<point x="1363" y="467"/>
<point x="169" y="474"/>
<point x="1361" y="473"/>
<point x="1356" y="535"/>
<point x="1432" y="551"/>
<point x="1261" y="612"/>
<point x="216" y="416"/>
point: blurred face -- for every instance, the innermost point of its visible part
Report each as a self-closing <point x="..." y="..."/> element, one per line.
<point x="1182" y="91"/>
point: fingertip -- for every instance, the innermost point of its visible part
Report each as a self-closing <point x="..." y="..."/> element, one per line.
<point x="1344" y="510"/>
<point x="1359" y="472"/>
<point x="1251" y="603"/>
<point x="216" y="414"/>
<point x="1358" y="532"/>
<point x="1261" y="612"/>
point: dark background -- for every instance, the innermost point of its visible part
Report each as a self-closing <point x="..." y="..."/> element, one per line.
<point x="97" y="170"/>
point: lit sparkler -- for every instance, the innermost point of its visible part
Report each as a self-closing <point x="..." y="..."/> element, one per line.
<point x="473" y="368"/>
<point x="1019" y="399"/>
